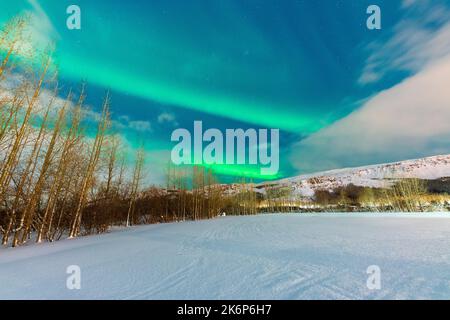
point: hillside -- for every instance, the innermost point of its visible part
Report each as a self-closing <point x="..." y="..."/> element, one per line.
<point x="379" y="175"/>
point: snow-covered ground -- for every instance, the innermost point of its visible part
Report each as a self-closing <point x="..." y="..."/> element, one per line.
<point x="291" y="256"/>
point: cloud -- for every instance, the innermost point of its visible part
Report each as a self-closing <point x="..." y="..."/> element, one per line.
<point x="141" y="126"/>
<point x="124" y="118"/>
<point x="408" y="3"/>
<point x="39" y="32"/>
<point x="124" y="122"/>
<point x="13" y="85"/>
<point x="407" y="121"/>
<point x="42" y="27"/>
<point x="166" y="117"/>
<point x="421" y="37"/>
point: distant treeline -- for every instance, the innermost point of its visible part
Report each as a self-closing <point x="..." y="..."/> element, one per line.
<point x="404" y="195"/>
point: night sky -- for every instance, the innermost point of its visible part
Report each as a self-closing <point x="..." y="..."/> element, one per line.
<point x="303" y="67"/>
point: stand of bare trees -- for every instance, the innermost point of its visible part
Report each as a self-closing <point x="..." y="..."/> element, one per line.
<point x="57" y="180"/>
<point x="49" y="170"/>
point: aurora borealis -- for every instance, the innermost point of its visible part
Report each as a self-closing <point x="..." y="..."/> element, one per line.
<point x="292" y="65"/>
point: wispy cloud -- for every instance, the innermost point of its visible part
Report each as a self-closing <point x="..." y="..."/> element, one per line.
<point x="141" y="126"/>
<point x="421" y="37"/>
<point x="124" y="122"/>
<point x="407" y="121"/>
<point x="167" y="117"/>
<point x="40" y="32"/>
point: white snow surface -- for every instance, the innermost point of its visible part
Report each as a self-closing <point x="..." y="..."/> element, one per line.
<point x="273" y="256"/>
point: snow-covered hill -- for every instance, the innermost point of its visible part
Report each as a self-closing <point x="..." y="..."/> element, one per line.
<point x="379" y="175"/>
<point x="273" y="256"/>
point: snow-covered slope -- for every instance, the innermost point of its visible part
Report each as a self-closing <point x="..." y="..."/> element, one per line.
<point x="373" y="176"/>
<point x="295" y="256"/>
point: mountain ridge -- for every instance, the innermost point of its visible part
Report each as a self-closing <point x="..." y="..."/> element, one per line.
<point x="376" y="175"/>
